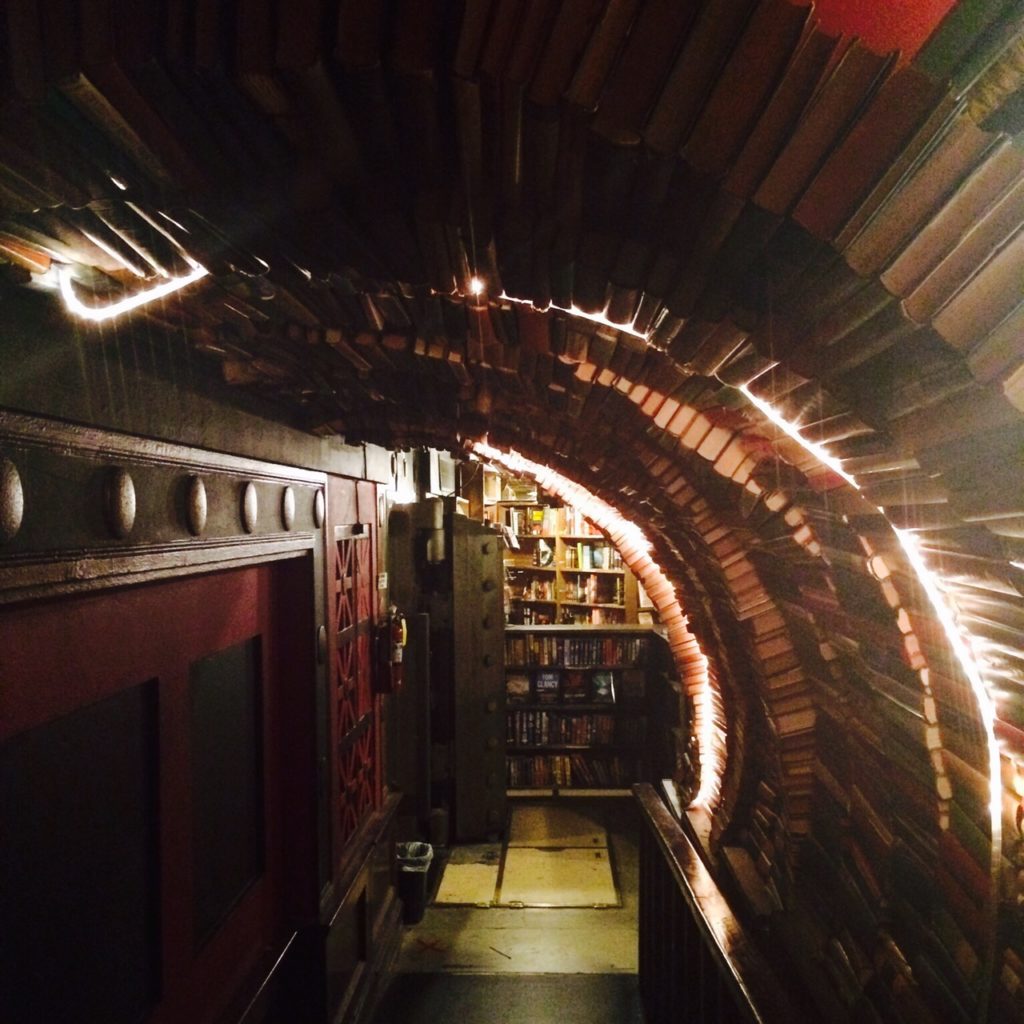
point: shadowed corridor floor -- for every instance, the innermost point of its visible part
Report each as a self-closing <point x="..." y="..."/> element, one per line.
<point x="503" y="965"/>
<point x="511" y="999"/>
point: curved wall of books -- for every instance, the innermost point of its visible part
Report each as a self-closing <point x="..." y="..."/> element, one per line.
<point x="667" y="249"/>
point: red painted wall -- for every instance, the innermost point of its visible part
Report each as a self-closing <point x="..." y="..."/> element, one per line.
<point x="883" y="25"/>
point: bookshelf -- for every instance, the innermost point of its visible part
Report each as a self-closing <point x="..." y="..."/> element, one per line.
<point x="578" y="707"/>
<point x="561" y="570"/>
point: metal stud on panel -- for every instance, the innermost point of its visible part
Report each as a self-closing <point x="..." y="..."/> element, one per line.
<point x="119" y="497"/>
<point x="288" y="508"/>
<point x="250" y="507"/>
<point x="196" y="508"/>
<point x="12" y="500"/>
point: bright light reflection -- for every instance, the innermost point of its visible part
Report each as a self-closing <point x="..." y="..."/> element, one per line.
<point x="635" y="549"/>
<point x="115" y="255"/>
<point x="788" y="428"/>
<point x="574" y="310"/>
<point x="942" y="602"/>
<point x="98" y="314"/>
<point x="476" y="285"/>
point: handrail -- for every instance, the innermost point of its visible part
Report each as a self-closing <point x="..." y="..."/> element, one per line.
<point x="741" y="972"/>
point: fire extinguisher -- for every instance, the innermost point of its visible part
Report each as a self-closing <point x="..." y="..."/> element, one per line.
<point x="394" y="636"/>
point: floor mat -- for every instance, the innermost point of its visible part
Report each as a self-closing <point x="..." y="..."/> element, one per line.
<point x="511" y="999"/>
<point x="468" y="885"/>
<point x="563" y="877"/>
<point x="470" y="876"/>
<point x="546" y="826"/>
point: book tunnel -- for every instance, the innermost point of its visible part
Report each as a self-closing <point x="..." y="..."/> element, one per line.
<point x="467" y="460"/>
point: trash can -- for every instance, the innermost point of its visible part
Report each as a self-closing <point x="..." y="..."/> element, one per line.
<point x="413" y="868"/>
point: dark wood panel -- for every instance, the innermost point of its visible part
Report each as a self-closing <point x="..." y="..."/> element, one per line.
<point x="78" y="857"/>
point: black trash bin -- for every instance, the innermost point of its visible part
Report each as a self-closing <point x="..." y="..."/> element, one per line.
<point x="413" y="868"/>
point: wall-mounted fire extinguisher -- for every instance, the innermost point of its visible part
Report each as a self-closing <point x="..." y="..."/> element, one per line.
<point x="391" y="649"/>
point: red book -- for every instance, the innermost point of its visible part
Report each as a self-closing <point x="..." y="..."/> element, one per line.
<point x="745" y="85"/>
<point x="899" y="107"/>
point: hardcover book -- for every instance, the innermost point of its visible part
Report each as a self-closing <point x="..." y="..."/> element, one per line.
<point x="575" y="689"/>
<point x="547" y="686"/>
<point x="633" y="684"/>
<point x="604" y="687"/>
<point x="517" y="687"/>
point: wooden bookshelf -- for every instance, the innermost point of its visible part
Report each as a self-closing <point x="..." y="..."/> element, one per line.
<point x="561" y="570"/>
<point x="578" y="707"/>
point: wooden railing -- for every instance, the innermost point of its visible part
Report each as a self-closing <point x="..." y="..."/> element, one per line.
<point x="696" y="962"/>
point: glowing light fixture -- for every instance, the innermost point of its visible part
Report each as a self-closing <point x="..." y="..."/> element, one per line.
<point x="99" y="314"/>
<point x="597" y="318"/>
<point x="477" y="286"/>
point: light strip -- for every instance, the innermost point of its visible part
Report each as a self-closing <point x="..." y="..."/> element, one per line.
<point x="932" y="585"/>
<point x="98" y="314"/>
<point x="574" y="310"/>
<point x="941" y="603"/>
<point x="635" y="549"/>
<point x="792" y="431"/>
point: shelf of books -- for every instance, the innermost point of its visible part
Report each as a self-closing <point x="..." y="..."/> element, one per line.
<point x="577" y="711"/>
<point x="560" y="569"/>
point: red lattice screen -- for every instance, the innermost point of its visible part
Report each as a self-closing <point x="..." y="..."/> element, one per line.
<point x="355" y="726"/>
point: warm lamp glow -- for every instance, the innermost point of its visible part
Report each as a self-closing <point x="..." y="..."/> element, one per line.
<point x="477" y="286"/>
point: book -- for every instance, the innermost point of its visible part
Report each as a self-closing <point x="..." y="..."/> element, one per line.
<point x="852" y="81"/>
<point x="517" y="687"/>
<point x="989" y="296"/>
<point x="634" y="83"/>
<point x="546" y="685"/>
<point x="895" y="222"/>
<point x="954" y="219"/>
<point x="597" y="60"/>
<point x="575" y="689"/>
<point x="745" y="85"/>
<point x="707" y="48"/>
<point x="633" y="684"/>
<point x="902" y="104"/>
<point x="775" y="123"/>
<point x="604" y="687"/>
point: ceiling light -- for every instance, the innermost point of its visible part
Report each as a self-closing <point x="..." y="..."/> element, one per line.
<point x="98" y="314"/>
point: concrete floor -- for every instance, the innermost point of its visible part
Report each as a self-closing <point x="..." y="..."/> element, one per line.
<point x="503" y="940"/>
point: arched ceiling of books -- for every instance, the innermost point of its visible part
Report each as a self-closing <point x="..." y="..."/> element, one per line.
<point x="639" y="242"/>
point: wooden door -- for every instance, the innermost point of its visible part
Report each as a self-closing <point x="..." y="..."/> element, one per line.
<point x="155" y="744"/>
